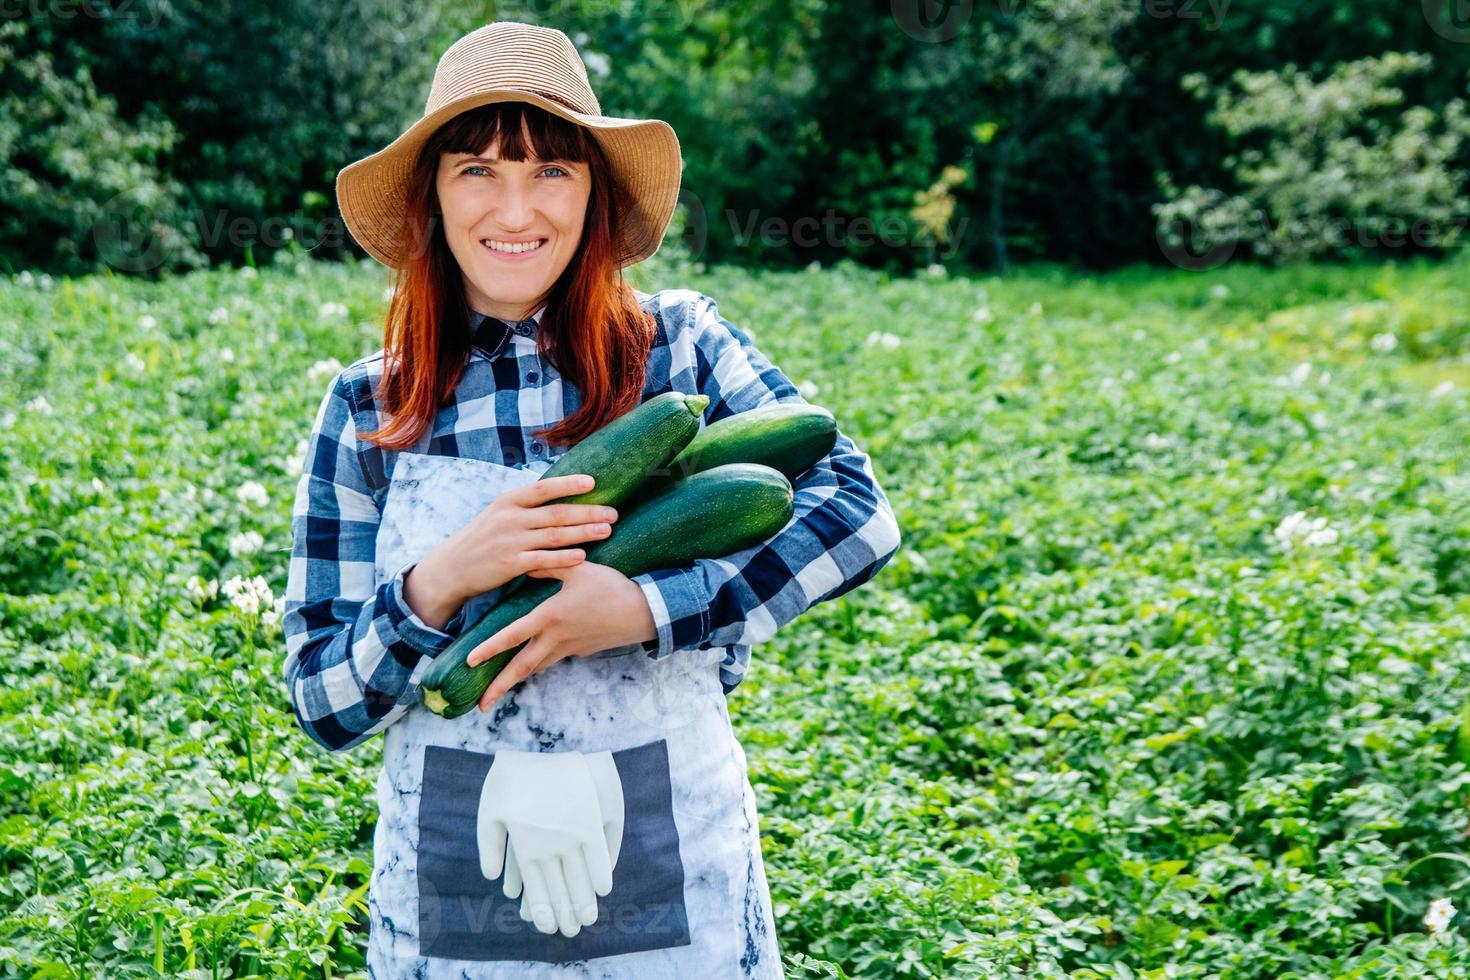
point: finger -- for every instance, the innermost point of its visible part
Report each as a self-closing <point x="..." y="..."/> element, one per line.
<point x="554" y="488"/>
<point x="492" y="842"/>
<point x="599" y="865"/>
<point x="511" y="887"/>
<point x="561" y="901"/>
<point x="565" y="535"/>
<point x="554" y="560"/>
<point x="508" y="637"/>
<point x="579" y="887"/>
<point x="552" y="515"/>
<point x="535" y="882"/>
<point x="521" y="666"/>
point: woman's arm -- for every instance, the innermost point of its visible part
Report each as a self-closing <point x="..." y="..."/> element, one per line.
<point x="843" y="530"/>
<point x="351" y="649"/>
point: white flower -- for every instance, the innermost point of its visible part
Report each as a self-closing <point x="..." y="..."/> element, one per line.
<point x="147" y="322"/>
<point x="1383" y="342"/>
<point x="1173" y="357"/>
<point x="246" y="543"/>
<point x="1139" y="334"/>
<point x="1155" y="441"/>
<point x="201" y="591"/>
<point x="248" y="272"/>
<point x="1437" y="919"/>
<point x="332" y="309"/>
<point x="808" y="388"/>
<point x="983" y="315"/>
<point x="1034" y="309"/>
<point x="699" y="268"/>
<point x="935" y="269"/>
<point x="25" y="278"/>
<point x="1219" y="291"/>
<point x="227" y="355"/>
<point x="218" y="315"/>
<point x="39" y="404"/>
<point x="1319" y="420"/>
<point x="45" y="281"/>
<point x="249" y="595"/>
<point x="7" y="420"/>
<point x="814" y="266"/>
<point x="1298" y="530"/>
<point x="322" y="370"/>
<point x="1300" y="374"/>
<point x="251" y="492"/>
<point x="135" y="362"/>
<point x="272" y="616"/>
<point x="887" y="340"/>
<point x="298" y="457"/>
<point x="1442" y="389"/>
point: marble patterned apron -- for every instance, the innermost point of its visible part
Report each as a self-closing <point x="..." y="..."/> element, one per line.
<point x="689" y="894"/>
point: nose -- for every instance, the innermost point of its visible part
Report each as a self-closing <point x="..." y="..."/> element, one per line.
<point x="515" y="209"/>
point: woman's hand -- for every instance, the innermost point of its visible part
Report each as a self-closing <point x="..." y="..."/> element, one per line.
<point x="597" y="608"/>
<point x="518" y="533"/>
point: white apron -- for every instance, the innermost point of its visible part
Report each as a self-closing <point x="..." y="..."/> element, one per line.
<point x="689" y="893"/>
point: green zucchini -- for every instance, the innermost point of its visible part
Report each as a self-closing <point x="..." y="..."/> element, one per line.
<point x="710" y="514"/>
<point x="788" y="436"/>
<point x="621" y="454"/>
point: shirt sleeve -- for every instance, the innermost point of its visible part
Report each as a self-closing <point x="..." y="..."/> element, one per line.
<point x="842" y="532"/>
<point x="351" y="649"/>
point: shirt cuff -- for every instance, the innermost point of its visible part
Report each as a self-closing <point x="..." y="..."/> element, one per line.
<point x="404" y="625"/>
<point x="679" y="606"/>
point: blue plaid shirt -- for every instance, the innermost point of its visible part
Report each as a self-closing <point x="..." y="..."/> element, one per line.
<point x="352" y="644"/>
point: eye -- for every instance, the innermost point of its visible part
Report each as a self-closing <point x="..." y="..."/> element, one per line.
<point x="474" y="167"/>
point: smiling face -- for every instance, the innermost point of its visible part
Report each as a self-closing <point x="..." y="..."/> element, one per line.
<point x="513" y="227"/>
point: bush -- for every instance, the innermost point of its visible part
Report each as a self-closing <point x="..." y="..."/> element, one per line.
<point x="1326" y="168"/>
<point x="73" y="175"/>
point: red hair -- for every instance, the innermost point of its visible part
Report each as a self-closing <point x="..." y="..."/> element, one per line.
<point x="593" y="330"/>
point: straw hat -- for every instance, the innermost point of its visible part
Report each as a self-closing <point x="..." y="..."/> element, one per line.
<point x="512" y="62"/>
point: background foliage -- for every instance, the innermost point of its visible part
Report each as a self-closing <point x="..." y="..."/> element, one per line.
<point x="808" y="127"/>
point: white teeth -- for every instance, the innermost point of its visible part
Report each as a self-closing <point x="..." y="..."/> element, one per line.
<point x="512" y="249"/>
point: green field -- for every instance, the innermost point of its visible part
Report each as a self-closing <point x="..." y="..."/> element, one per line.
<point x="1112" y="711"/>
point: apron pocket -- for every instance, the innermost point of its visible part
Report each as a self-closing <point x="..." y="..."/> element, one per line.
<point x="464" y="916"/>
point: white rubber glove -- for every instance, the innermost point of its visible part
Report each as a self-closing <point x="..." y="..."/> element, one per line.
<point x="609" y="800"/>
<point x="546" y="803"/>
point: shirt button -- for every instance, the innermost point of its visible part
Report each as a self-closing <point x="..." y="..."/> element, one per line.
<point x="531" y="376"/>
<point x="536" y="448"/>
<point x="523" y="331"/>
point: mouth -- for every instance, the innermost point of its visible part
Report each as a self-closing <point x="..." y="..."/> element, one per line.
<point x="513" y="251"/>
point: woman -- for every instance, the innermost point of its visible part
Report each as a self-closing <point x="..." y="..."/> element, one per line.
<point x="605" y="790"/>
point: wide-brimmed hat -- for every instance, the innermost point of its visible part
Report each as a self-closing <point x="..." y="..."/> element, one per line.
<point x="512" y="62"/>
